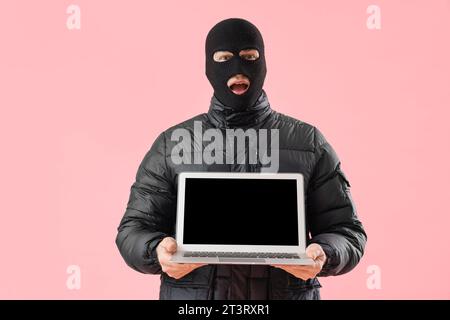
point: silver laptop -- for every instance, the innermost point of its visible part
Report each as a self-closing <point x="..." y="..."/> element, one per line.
<point x="240" y="218"/>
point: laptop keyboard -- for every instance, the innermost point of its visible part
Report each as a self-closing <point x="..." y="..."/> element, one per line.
<point x="265" y="255"/>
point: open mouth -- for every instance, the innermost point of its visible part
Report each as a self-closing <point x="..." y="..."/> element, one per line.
<point x="238" y="84"/>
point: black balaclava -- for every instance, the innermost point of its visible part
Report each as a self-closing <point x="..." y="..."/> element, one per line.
<point x="235" y="35"/>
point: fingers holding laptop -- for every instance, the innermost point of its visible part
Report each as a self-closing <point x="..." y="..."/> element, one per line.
<point x="305" y="272"/>
<point x="165" y="249"/>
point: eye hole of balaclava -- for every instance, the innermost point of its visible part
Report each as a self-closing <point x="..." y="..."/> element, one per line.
<point x="235" y="62"/>
<point x="246" y="54"/>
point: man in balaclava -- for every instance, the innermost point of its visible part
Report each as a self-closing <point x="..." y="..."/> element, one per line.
<point x="236" y="69"/>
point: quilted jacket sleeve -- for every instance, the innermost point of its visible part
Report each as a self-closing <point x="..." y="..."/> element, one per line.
<point x="331" y="213"/>
<point x="150" y="212"/>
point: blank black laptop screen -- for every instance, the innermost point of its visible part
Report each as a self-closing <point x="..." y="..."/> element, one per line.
<point x="241" y="212"/>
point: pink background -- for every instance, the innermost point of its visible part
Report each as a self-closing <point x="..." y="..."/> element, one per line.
<point x="80" y="108"/>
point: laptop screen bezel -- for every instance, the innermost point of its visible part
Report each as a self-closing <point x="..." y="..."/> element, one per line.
<point x="301" y="247"/>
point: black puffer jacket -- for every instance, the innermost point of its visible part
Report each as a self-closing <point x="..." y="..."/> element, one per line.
<point x="331" y="215"/>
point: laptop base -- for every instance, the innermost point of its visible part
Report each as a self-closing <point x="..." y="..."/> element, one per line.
<point x="180" y="258"/>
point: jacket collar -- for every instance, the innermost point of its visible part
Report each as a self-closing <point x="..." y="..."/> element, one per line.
<point x="223" y="116"/>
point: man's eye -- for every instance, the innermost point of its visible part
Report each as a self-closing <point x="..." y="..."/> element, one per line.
<point x="221" y="56"/>
<point x="249" y="57"/>
<point x="224" y="58"/>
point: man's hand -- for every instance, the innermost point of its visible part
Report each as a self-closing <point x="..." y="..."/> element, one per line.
<point x="315" y="252"/>
<point x="165" y="249"/>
